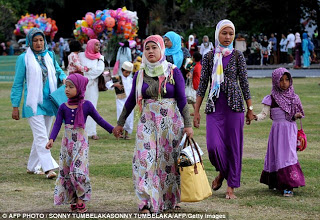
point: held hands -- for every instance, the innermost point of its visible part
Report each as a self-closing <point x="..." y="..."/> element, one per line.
<point x="298" y="115"/>
<point x="49" y="144"/>
<point x="249" y="117"/>
<point x="196" y="119"/>
<point x="117" y="131"/>
<point x="15" y="113"/>
<point x="118" y="85"/>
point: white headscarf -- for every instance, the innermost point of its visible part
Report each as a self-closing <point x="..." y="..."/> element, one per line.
<point x="220" y="51"/>
<point x="190" y="42"/>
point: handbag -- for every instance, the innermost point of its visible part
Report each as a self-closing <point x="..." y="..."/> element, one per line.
<point x="102" y="83"/>
<point x="191" y="94"/>
<point x="301" y="139"/>
<point x="194" y="182"/>
<point x="116" y="68"/>
<point x="57" y="98"/>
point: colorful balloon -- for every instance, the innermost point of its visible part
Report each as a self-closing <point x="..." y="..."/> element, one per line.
<point x="110" y="22"/>
<point x="98" y="26"/>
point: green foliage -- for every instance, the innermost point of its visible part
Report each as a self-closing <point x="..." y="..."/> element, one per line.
<point x="7" y="21"/>
<point x="200" y="31"/>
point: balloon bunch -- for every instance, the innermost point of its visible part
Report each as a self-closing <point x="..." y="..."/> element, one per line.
<point x="104" y="24"/>
<point x="47" y="25"/>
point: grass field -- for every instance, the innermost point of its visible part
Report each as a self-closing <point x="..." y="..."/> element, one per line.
<point x="110" y="165"/>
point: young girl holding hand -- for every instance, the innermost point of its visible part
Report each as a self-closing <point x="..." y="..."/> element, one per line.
<point x="73" y="183"/>
<point x="281" y="167"/>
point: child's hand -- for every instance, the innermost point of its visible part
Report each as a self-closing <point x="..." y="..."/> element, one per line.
<point x="117" y="131"/>
<point x="298" y="115"/>
<point x="49" y="144"/>
<point x="118" y="85"/>
<point x="255" y="117"/>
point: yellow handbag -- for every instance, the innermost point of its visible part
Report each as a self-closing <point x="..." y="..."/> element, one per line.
<point x="194" y="182"/>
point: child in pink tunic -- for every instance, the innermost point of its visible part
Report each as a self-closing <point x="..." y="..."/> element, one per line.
<point x="281" y="167"/>
<point x="74" y="60"/>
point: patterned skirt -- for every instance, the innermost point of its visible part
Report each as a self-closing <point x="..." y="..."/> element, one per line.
<point x="73" y="181"/>
<point x="155" y="173"/>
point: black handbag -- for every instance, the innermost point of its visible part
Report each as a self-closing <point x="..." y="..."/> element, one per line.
<point x="102" y="83"/>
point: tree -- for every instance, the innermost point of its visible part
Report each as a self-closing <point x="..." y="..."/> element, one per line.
<point x="7" y="21"/>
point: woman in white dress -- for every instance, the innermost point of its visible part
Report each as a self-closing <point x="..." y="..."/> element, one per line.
<point x="92" y="59"/>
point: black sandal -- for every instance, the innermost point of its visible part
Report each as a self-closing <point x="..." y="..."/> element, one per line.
<point x="145" y="210"/>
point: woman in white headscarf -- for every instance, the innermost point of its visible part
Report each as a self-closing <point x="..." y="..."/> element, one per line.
<point x="206" y="45"/>
<point x="38" y="74"/>
<point x="191" y="45"/>
<point x="224" y="67"/>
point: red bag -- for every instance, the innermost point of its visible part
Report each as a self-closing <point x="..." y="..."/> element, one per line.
<point x="116" y="68"/>
<point x="301" y="139"/>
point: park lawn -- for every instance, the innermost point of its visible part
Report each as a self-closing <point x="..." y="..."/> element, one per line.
<point x="110" y="165"/>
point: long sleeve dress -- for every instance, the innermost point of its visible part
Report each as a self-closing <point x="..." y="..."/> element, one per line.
<point x="96" y="67"/>
<point x="225" y="116"/>
<point x="73" y="181"/>
<point x="281" y="166"/>
<point x="159" y="131"/>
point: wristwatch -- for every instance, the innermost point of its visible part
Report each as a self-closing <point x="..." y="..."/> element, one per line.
<point x="250" y="107"/>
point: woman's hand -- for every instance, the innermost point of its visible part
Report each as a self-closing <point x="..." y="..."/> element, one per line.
<point x="15" y="113"/>
<point x="298" y="115"/>
<point x="196" y="119"/>
<point x="49" y="144"/>
<point x="249" y="117"/>
<point x="117" y="131"/>
<point x="188" y="131"/>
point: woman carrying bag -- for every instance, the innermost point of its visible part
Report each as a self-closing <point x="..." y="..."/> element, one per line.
<point x="158" y="90"/>
<point x="38" y="75"/>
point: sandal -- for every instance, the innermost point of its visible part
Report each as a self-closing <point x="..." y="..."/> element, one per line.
<point x="81" y="208"/>
<point x="215" y="186"/>
<point x="51" y="174"/>
<point x="145" y="210"/>
<point x="73" y="208"/>
<point x="287" y="193"/>
<point x="127" y="138"/>
<point x="38" y="172"/>
<point x="95" y="137"/>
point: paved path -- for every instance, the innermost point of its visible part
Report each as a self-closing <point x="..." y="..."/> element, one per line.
<point x="7" y="68"/>
<point x="296" y="73"/>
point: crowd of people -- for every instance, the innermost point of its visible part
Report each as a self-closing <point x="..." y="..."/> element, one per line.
<point x="155" y="83"/>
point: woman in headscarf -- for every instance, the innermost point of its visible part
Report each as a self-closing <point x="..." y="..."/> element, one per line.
<point x="158" y="90"/>
<point x="124" y="54"/>
<point x="206" y="45"/>
<point x="225" y="110"/>
<point x="38" y="74"/>
<point x="298" y="51"/>
<point x="175" y="53"/>
<point x="94" y="61"/>
<point x="192" y="45"/>
<point x="305" y="49"/>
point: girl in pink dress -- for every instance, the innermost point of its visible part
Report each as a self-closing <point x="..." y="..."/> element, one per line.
<point x="74" y="60"/>
<point x="281" y="167"/>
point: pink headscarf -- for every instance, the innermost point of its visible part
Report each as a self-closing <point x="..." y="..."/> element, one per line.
<point x="287" y="100"/>
<point x="80" y="82"/>
<point x="90" y="53"/>
<point x="146" y="66"/>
